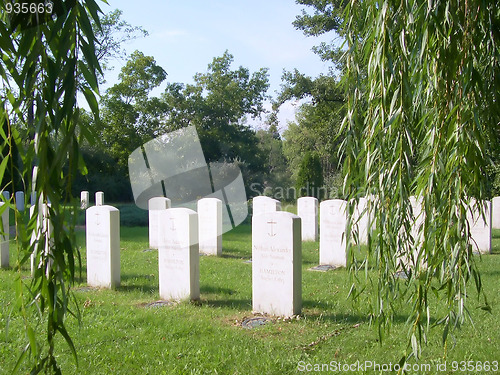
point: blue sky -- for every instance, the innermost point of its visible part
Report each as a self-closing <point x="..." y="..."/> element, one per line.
<point x="184" y="36"/>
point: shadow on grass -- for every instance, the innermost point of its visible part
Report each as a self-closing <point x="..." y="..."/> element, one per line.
<point x="229" y="252"/>
<point x="239" y="256"/>
<point x="216" y="290"/>
<point x="241" y="305"/>
<point x="321" y="312"/>
<point x="138" y="282"/>
<point x="312" y="262"/>
<point x="146" y="288"/>
<point x="221" y="297"/>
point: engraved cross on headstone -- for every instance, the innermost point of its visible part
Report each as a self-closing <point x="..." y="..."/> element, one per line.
<point x="172" y="224"/>
<point x="97" y="221"/>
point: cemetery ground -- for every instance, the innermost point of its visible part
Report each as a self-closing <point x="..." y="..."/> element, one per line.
<point x="119" y="332"/>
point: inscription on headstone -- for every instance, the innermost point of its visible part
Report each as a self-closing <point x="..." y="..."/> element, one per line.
<point x="178" y="254"/>
<point x="332" y="242"/>
<point x="103" y="246"/>
<point x="277" y="263"/>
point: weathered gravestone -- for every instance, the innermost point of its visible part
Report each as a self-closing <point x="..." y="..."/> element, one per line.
<point x="99" y="198"/>
<point x="178" y="254"/>
<point x="277" y="264"/>
<point x="103" y="246"/>
<point x="20" y="200"/>
<point x="4" y="238"/>
<point x="43" y="229"/>
<point x="495" y="213"/>
<point x="210" y="226"/>
<point x="263" y="204"/>
<point x="307" y="210"/>
<point x="6" y="195"/>
<point x="480" y="228"/>
<point x="155" y="206"/>
<point x="84" y="200"/>
<point x="332" y="241"/>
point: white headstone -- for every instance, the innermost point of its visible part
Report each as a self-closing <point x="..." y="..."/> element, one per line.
<point x="4" y="238"/>
<point x="20" y="200"/>
<point x="210" y="226"/>
<point x="416" y="232"/>
<point x="480" y="228"/>
<point x="155" y="205"/>
<point x="332" y="241"/>
<point x="99" y="198"/>
<point x="419" y="216"/>
<point x="277" y="263"/>
<point x="362" y="220"/>
<point x="84" y="200"/>
<point x="307" y="210"/>
<point x="103" y="246"/>
<point x="495" y="213"/>
<point x="178" y="254"/>
<point x="6" y="195"/>
<point x="263" y="204"/>
<point x="43" y="227"/>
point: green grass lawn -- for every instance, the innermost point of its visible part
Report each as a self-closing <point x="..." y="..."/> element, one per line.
<point x="119" y="334"/>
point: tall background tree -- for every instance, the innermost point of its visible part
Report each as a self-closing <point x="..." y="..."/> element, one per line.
<point x="276" y="176"/>
<point x="310" y="177"/>
<point x="219" y="104"/>
<point x="319" y="117"/>
<point x="106" y="168"/>
<point x="111" y="34"/>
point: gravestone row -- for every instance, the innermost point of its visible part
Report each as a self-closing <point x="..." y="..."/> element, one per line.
<point x="276" y="244"/>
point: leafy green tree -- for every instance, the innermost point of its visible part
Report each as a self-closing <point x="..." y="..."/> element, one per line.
<point x="310" y="177"/>
<point x="276" y="174"/>
<point x="218" y="104"/>
<point x="47" y="59"/>
<point x="328" y="17"/>
<point x="315" y="129"/>
<point x="129" y="116"/>
<point x="318" y="120"/>
<point x="324" y="89"/>
<point x="110" y="35"/>
<point x="421" y="122"/>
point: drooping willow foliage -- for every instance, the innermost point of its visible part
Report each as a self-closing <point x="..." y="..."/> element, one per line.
<point x="423" y="84"/>
<point x="48" y="57"/>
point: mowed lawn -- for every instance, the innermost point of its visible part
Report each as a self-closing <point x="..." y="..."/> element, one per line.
<point x="118" y="333"/>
